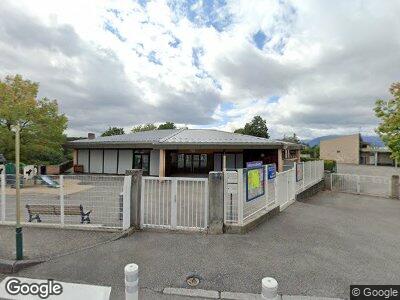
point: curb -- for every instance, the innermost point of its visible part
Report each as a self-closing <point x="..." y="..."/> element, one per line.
<point x="212" y="294"/>
<point x="12" y="266"/>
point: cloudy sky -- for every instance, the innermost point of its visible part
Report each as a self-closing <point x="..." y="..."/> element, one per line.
<point x="310" y="67"/>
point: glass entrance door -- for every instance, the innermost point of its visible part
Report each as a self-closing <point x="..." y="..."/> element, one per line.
<point x="142" y="161"/>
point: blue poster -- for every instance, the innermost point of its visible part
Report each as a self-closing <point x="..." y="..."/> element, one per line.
<point x="254" y="164"/>
<point x="271" y="171"/>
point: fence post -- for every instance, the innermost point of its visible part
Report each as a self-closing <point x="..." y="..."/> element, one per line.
<point x="331" y="177"/>
<point x="358" y="184"/>
<point x="266" y="185"/>
<point x="131" y="282"/>
<point x="395" y="187"/>
<point x="3" y="192"/>
<point x="174" y="214"/>
<point x="126" y="203"/>
<point x="269" y="290"/>
<point x="62" y="213"/>
<point x="216" y="202"/>
<point x="135" y="196"/>
<point x="240" y="196"/>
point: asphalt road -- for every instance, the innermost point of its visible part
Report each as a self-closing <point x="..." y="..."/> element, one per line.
<point x="316" y="248"/>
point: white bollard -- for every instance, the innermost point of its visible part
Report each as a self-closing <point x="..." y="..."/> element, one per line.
<point x="131" y="282"/>
<point x="269" y="289"/>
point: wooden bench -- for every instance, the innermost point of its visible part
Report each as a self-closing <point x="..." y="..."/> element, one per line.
<point x="36" y="210"/>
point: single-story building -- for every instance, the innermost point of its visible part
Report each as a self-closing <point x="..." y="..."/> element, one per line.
<point x="351" y="149"/>
<point x="178" y="152"/>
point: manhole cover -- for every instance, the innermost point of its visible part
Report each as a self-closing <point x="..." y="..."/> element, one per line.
<point x="192" y="281"/>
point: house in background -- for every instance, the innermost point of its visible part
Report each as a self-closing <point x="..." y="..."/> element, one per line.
<point x="351" y="149"/>
<point x="178" y="152"/>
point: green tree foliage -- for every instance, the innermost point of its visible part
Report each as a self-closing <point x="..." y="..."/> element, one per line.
<point x="257" y="127"/>
<point x="144" y="127"/>
<point x="291" y="139"/>
<point x="389" y="113"/>
<point x="313" y="151"/>
<point x="113" y="131"/>
<point x="167" y="125"/>
<point x="42" y="126"/>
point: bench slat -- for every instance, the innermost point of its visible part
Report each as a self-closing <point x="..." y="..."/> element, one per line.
<point x="70" y="210"/>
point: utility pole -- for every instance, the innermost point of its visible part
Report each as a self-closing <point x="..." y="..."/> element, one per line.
<point x="18" y="227"/>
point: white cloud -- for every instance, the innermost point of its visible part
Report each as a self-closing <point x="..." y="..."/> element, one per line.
<point x="123" y="63"/>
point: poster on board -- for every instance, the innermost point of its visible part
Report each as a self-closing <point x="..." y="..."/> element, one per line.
<point x="254" y="183"/>
<point x="271" y="170"/>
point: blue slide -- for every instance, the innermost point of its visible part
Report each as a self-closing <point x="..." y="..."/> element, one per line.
<point x="49" y="182"/>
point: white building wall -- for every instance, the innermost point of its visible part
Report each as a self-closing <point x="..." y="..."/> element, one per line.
<point x="96" y="161"/>
<point x="110" y="161"/>
<point x="83" y="159"/>
<point x="125" y="161"/>
<point x="154" y="162"/>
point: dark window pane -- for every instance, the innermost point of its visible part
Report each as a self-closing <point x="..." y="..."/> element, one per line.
<point x="196" y="161"/>
<point x="137" y="161"/>
<point x="203" y="160"/>
<point x="145" y="163"/>
<point x="181" y="161"/>
<point x="188" y="160"/>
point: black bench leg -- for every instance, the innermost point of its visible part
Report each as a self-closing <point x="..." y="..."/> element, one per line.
<point x="36" y="217"/>
<point x="85" y="218"/>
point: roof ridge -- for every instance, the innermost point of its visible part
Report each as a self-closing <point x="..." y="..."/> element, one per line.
<point x="171" y="135"/>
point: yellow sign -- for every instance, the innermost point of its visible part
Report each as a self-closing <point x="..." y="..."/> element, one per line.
<point x="254" y="179"/>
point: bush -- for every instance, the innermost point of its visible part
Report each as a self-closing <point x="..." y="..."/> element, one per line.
<point x="304" y="159"/>
<point x="330" y="165"/>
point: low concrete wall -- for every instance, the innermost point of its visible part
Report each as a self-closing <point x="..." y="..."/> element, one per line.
<point x="311" y="191"/>
<point x="252" y="224"/>
<point x="367" y="170"/>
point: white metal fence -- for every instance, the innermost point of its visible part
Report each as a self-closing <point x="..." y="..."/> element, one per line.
<point x="64" y="200"/>
<point x="361" y="184"/>
<point x="312" y="172"/>
<point x="280" y="191"/>
<point x="174" y="203"/>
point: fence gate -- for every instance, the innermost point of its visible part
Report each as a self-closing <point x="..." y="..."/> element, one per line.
<point x="174" y="203"/>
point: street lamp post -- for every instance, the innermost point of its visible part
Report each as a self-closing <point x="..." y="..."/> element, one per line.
<point x="18" y="227"/>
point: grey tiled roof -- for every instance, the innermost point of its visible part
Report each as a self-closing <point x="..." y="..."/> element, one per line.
<point x="143" y="137"/>
<point x="181" y="137"/>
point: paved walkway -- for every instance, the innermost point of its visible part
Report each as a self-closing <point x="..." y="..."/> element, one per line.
<point x="317" y="248"/>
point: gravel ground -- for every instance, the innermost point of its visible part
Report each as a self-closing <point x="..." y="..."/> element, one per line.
<point x="316" y="248"/>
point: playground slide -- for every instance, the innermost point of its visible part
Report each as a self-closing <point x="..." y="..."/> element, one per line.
<point x="49" y="182"/>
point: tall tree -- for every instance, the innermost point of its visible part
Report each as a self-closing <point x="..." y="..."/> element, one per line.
<point x="257" y="127"/>
<point x="113" y="131"/>
<point x="291" y="139"/>
<point x="42" y="126"/>
<point x="144" y="127"/>
<point x="167" y="125"/>
<point x="389" y="113"/>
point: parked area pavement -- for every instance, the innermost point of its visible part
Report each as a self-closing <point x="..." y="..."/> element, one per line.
<point x="369" y="170"/>
<point x="313" y="248"/>
<point x="43" y="243"/>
